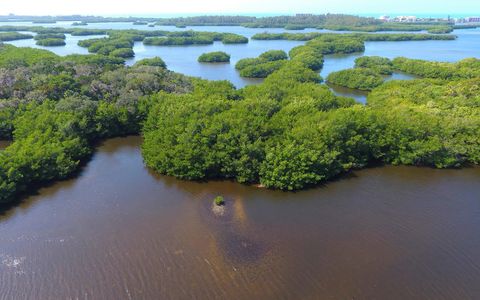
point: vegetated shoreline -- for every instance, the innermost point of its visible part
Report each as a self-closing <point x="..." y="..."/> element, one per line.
<point x="338" y="22"/>
<point x="291" y="91"/>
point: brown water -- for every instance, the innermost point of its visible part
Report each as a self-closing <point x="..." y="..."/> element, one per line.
<point x="4" y="144"/>
<point x="120" y="232"/>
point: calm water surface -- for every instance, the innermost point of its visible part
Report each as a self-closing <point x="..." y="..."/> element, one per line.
<point x="120" y="232"/>
<point x="183" y="59"/>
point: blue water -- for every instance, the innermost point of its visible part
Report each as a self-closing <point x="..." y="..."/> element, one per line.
<point x="183" y="59"/>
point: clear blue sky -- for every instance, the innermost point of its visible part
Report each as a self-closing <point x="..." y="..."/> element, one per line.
<point x="158" y="7"/>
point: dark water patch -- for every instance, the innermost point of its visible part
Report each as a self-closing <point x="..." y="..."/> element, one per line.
<point x="4" y="144"/>
<point x="358" y="95"/>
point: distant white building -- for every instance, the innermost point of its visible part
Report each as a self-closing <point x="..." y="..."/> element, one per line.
<point x="406" y="19"/>
<point x="473" y="19"/>
<point x="384" y="18"/>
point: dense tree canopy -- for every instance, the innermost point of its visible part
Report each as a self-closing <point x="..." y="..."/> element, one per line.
<point x="290" y="132"/>
<point x="214" y="57"/>
<point x="12" y="36"/>
<point x="379" y="64"/>
<point x="358" y="78"/>
<point x="55" y="107"/>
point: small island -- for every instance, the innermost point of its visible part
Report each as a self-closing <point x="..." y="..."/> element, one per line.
<point x="359" y="78"/>
<point x="214" y="57"/>
<point x="51" y="42"/>
<point x="82" y="23"/>
<point x="262" y="66"/>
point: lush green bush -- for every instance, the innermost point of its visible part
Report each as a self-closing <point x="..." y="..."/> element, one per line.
<point x="13" y="57"/>
<point x="379" y="64"/>
<point x="272" y="22"/>
<point x="51" y="35"/>
<point x="91" y="97"/>
<point x="49" y="42"/>
<point x="214" y="57"/>
<point x="230" y="38"/>
<point x="87" y="31"/>
<point x="361" y="79"/>
<point x="178" y="41"/>
<point x="262" y="70"/>
<point x="294" y="27"/>
<point x="440" y="30"/>
<point x="309" y="56"/>
<point x="467" y="68"/>
<point x="82" y="23"/>
<point x="123" y="53"/>
<point x="111" y="45"/>
<point x="154" y="62"/>
<point x="12" y="36"/>
<point x="262" y="66"/>
<point x="189" y="37"/>
<point x="290" y="133"/>
<point x="429" y="122"/>
<point x="273" y="55"/>
<point x="392" y="37"/>
<point x="219" y="201"/>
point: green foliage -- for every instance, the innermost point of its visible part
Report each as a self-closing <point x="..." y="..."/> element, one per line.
<point x="219" y="201"/>
<point x="294" y="27"/>
<point x="467" y="68"/>
<point x="379" y="64"/>
<point x="153" y="62"/>
<point x="110" y="46"/>
<point x="262" y="66"/>
<point x="208" y="135"/>
<point x="290" y="133"/>
<point x="392" y="37"/>
<point x="429" y="122"/>
<point x="262" y="70"/>
<point x="358" y="78"/>
<point x="337" y="44"/>
<point x="50" y="42"/>
<point x="91" y="97"/>
<point x="82" y="23"/>
<point x="87" y="31"/>
<point x="309" y="56"/>
<point x="190" y="37"/>
<point x="12" y="36"/>
<point x="123" y="53"/>
<point x="178" y="41"/>
<point x="440" y="30"/>
<point x="13" y="57"/>
<point x="230" y="38"/>
<point x="271" y="22"/>
<point x="50" y="35"/>
<point x="273" y="55"/>
<point x="214" y="57"/>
